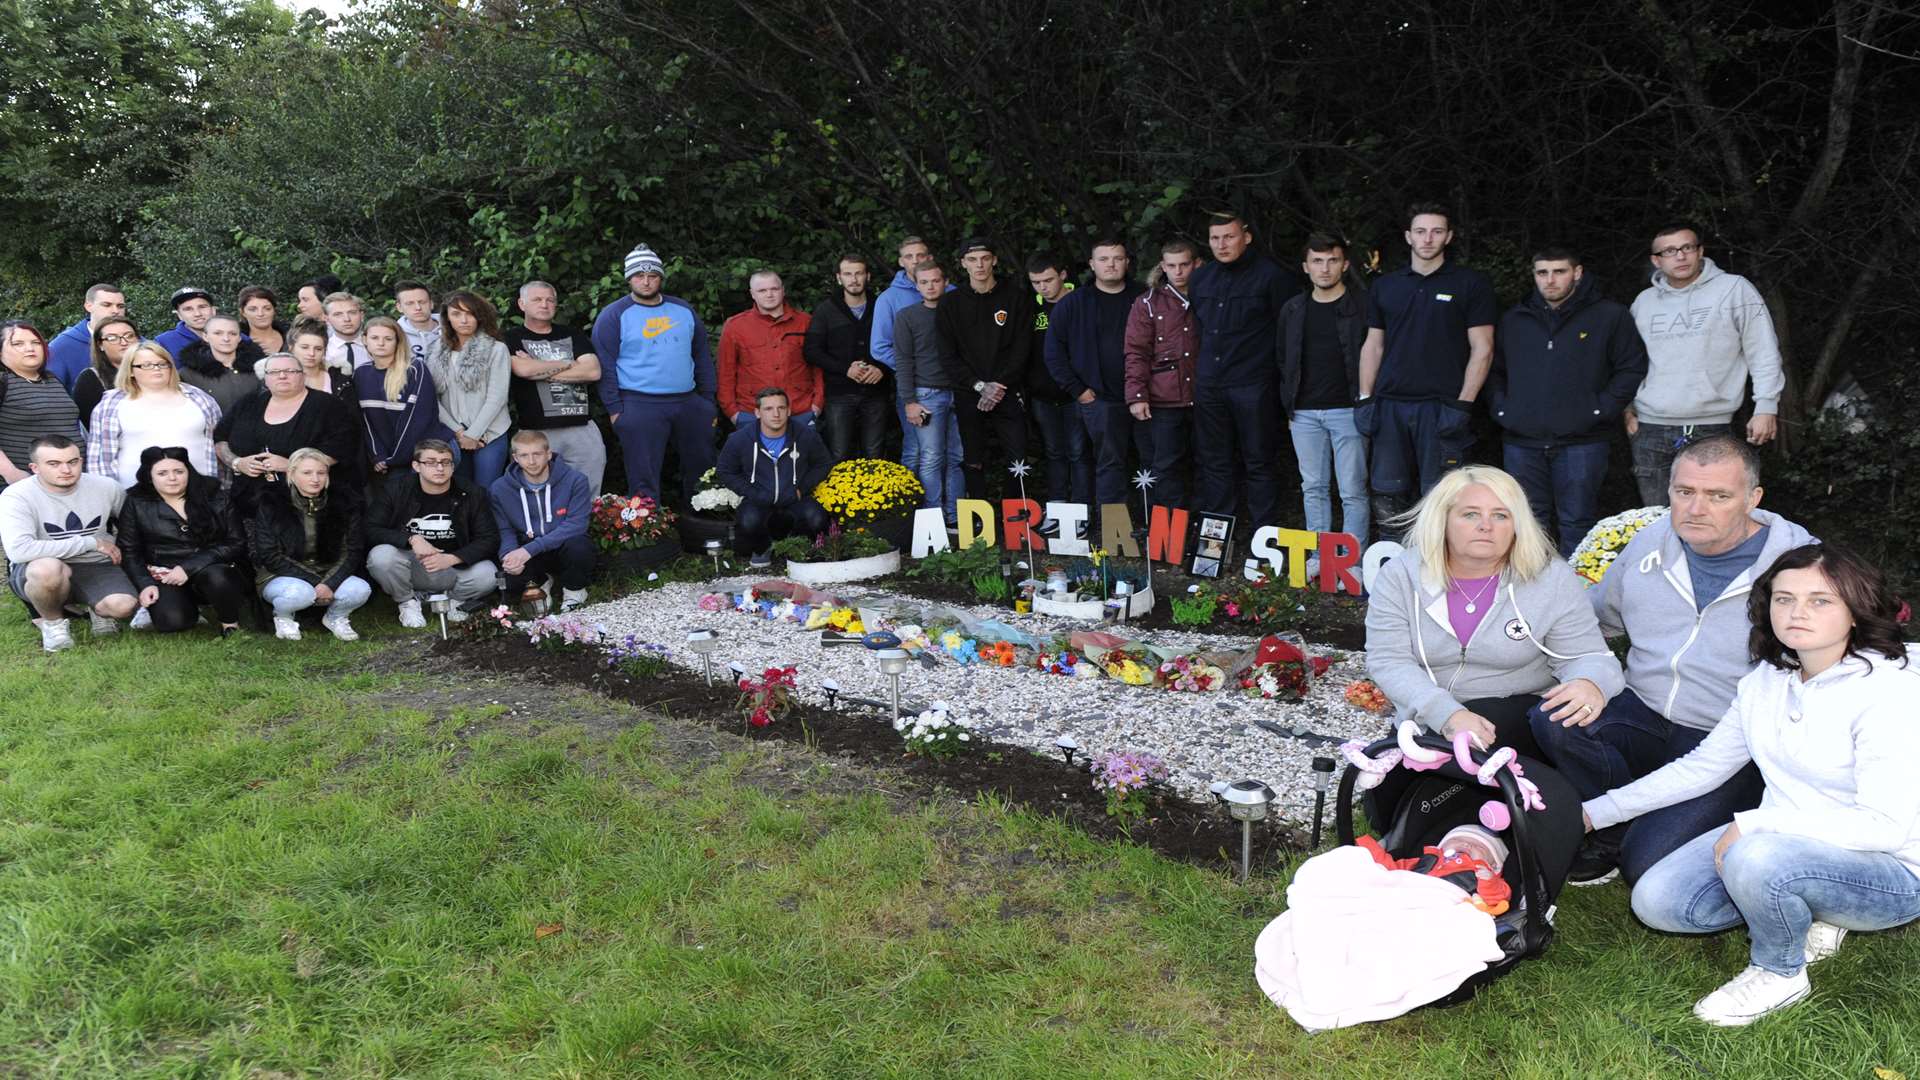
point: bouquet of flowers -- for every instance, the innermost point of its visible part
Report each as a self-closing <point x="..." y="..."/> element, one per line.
<point x="1608" y="538"/>
<point x="1191" y="673"/>
<point x="934" y="733"/>
<point x="714" y="498"/>
<point x="622" y="524"/>
<point x="1281" y="669"/>
<point x="1063" y="663"/>
<point x="1363" y="694"/>
<point x="865" y="490"/>
<point x="1130" y="666"/>
<point x="1123" y="777"/>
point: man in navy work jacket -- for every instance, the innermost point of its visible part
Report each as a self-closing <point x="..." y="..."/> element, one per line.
<point x="1567" y="364"/>
<point x="774" y="465"/>
<point x="1236" y="401"/>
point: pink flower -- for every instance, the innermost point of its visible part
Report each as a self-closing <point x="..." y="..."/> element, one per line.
<point x="1904" y="615"/>
<point x="1233" y="610"/>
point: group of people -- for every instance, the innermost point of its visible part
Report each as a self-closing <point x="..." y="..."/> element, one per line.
<point x="1747" y="762"/>
<point x="239" y="458"/>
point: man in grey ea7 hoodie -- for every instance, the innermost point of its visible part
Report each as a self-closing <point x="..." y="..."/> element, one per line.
<point x="1707" y="333"/>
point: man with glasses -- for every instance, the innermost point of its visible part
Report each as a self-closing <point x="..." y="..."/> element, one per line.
<point x="431" y="533"/>
<point x="540" y="507"/>
<point x="1707" y="333"/>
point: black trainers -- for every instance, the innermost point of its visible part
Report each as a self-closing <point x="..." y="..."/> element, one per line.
<point x="1598" y="860"/>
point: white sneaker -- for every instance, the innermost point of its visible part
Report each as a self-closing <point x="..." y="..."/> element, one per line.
<point x="411" y="616"/>
<point x="102" y="625"/>
<point x="286" y="628"/>
<point x="456" y="613"/>
<point x="1823" y="940"/>
<point x="142" y="620"/>
<point x="1313" y="571"/>
<point x="341" y="628"/>
<point x="55" y="634"/>
<point x="572" y="598"/>
<point x="1751" y="995"/>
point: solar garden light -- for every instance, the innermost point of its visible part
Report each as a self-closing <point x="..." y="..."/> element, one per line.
<point x="1068" y="746"/>
<point x="440" y="603"/>
<point x="833" y="694"/>
<point x="1246" y="802"/>
<point x="713" y="552"/>
<point x="1322" y="779"/>
<point x="739" y="671"/>
<point x="893" y="664"/>
<point x="703" y="643"/>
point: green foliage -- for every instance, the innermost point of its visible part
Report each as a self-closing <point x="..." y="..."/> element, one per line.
<point x="956" y="566"/>
<point x="991" y="586"/>
<point x="833" y="545"/>
<point x="1196" y="608"/>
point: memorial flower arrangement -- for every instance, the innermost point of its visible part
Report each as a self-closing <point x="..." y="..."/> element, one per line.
<point x="1065" y="662"/>
<point x="762" y="700"/>
<point x="1124" y="777"/>
<point x="1192" y="674"/>
<point x="562" y="632"/>
<point x="1130" y="666"/>
<point x="1608" y="538"/>
<point x="1284" y="679"/>
<point x="714" y="499"/>
<point x="1363" y="694"/>
<point x="834" y="545"/>
<point x="865" y="490"/>
<point x="623" y="524"/>
<point x="935" y="733"/>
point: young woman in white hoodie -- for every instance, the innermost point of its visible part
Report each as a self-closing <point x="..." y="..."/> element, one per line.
<point x="1835" y="842"/>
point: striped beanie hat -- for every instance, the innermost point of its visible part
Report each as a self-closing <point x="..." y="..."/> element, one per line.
<point x="642" y="260"/>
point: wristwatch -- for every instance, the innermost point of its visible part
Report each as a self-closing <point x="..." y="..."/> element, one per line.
<point x="980" y="387"/>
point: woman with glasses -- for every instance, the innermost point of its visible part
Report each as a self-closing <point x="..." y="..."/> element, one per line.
<point x="32" y="401"/>
<point x="181" y="544"/>
<point x="222" y="363"/>
<point x="148" y="406"/>
<point x="256" y="439"/>
<point x="112" y="340"/>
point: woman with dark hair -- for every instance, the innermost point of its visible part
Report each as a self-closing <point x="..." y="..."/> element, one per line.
<point x="112" y="340"/>
<point x="181" y="544"/>
<point x="256" y="439"/>
<point x="1827" y="716"/>
<point x="310" y="348"/>
<point x="261" y="310"/>
<point x="33" y="402"/>
<point x="222" y="363"/>
<point x="471" y="373"/>
<point x="312" y="296"/>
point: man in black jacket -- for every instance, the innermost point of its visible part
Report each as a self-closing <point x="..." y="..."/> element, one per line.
<point x="1567" y="363"/>
<point x="774" y="465"/>
<point x="986" y="326"/>
<point x="431" y="532"/>
<point x="859" y="404"/>
<point x="1320" y="337"/>
<point x="1236" y="407"/>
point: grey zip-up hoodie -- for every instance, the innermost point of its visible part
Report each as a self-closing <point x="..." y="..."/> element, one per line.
<point x="1536" y="634"/>
<point x="1685" y="663"/>
<point x="1703" y="342"/>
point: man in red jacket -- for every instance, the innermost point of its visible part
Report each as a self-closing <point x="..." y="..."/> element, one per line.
<point x="764" y="346"/>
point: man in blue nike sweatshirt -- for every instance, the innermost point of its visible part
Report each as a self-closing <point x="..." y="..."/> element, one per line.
<point x="656" y="378"/>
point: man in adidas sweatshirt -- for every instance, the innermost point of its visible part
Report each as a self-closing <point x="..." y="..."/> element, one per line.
<point x="1707" y="333"/>
<point x="542" y="506"/>
<point x="56" y="528"/>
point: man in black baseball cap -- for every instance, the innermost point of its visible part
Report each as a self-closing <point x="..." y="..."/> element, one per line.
<point x="193" y="306"/>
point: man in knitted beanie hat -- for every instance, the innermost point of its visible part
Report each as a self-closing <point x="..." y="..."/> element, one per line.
<point x="656" y="378"/>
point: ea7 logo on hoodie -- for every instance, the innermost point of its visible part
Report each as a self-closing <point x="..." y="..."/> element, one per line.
<point x="1681" y="323"/>
<point x="73" y="527"/>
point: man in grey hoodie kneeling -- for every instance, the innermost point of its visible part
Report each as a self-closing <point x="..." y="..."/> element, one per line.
<point x="1679" y="591"/>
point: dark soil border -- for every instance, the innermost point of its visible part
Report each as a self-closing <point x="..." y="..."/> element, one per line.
<point x="1200" y="834"/>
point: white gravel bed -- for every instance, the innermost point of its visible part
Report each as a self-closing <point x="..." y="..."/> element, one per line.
<point x="1203" y="737"/>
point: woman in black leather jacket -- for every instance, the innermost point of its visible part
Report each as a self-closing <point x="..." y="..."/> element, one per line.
<point x="181" y="543"/>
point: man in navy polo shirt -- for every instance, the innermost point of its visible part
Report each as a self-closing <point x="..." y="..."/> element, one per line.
<point x="1429" y="347"/>
<point x="1236" y="401"/>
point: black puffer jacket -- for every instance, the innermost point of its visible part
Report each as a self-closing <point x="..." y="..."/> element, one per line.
<point x="277" y="539"/>
<point x="229" y="386"/>
<point x="152" y="534"/>
<point x="1563" y="375"/>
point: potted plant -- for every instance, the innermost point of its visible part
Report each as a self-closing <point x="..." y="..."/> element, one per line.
<point x="872" y="495"/>
<point x="710" y="515"/>
<point x="633" y="533"/>
<point x="837" y="555"/>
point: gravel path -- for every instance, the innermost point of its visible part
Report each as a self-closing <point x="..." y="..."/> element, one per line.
<point x="1203" y="737"/>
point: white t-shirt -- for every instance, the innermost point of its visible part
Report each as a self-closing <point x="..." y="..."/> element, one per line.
<point x="156" y="420"/>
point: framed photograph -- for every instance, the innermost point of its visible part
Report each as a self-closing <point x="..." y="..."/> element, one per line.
<point x="1216" y="540"/>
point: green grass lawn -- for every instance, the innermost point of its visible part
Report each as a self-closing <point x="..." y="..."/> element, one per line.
<point x="258" y="858"/>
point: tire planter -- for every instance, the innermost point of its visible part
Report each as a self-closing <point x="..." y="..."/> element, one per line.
<point x="1139" y="604"/>
<point x="897" y="531"/>
<point x="833" y="573"/>
<point x="633" y="562"/>
<point x="696" y="530"/>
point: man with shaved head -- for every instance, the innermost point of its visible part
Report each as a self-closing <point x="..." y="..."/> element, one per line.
<point x="765" y="346"/>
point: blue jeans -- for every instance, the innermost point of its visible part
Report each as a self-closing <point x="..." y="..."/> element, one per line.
<point x="1237" y="425"/>
<point x="939" y="458"/>
<point x="1654" y="448"/>
<point x="909" y="437"/>
<point x="1562" y="485"/>
<point x="1777" y="884"/>
<point x="287" y="595"/>
<point x="1320" y="435"/>
<point x="1063" y="442"/>
<point x="483" y="466"/>
<point x="1627" y="742"/>
<point x="1110" y="436"/>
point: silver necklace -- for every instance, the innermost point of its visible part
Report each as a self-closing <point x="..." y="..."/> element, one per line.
<point x="1473" y="602"/>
